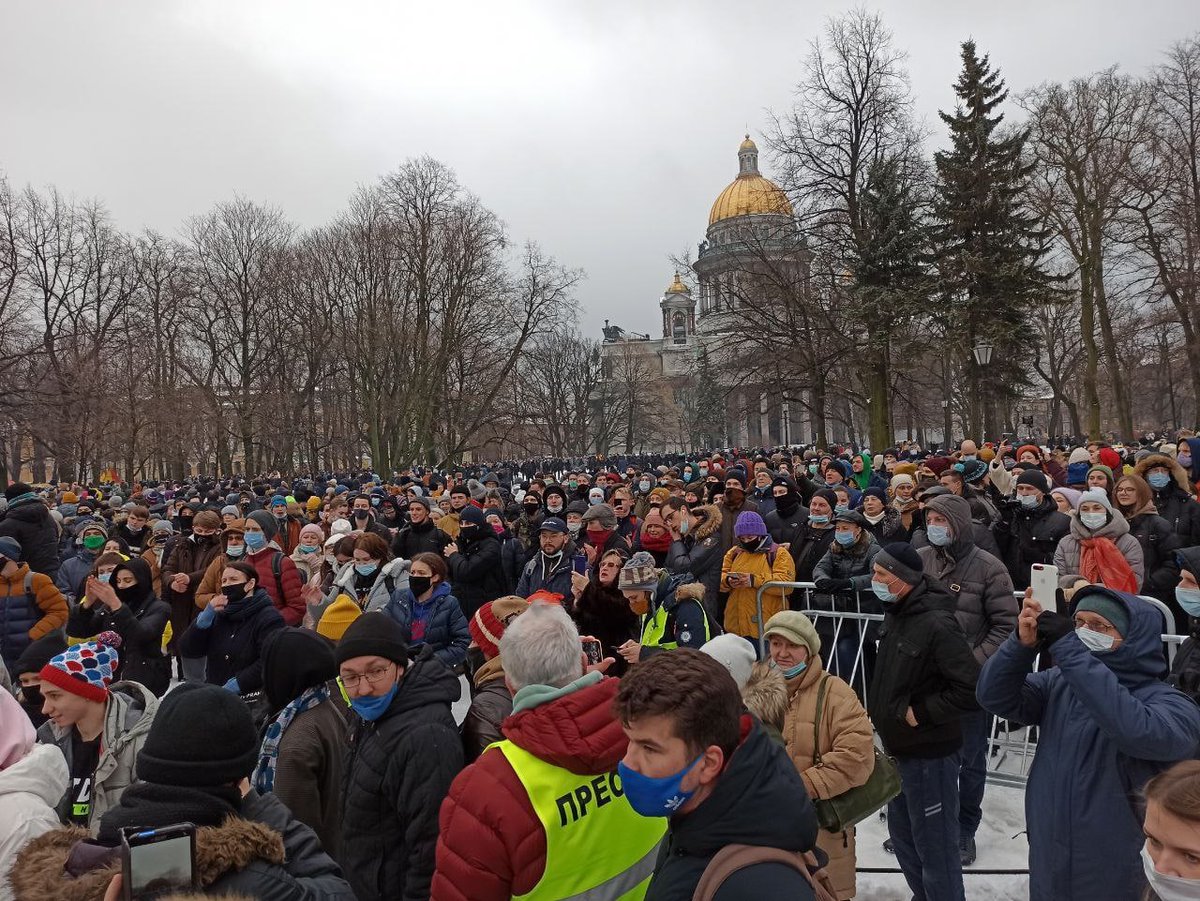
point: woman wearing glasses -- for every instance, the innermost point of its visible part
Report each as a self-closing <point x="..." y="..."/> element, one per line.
<point x="232" y="630"/>
<point x="404" y="753"/>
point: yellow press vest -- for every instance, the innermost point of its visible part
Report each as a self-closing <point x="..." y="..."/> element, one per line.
<point x="654" y="628"/>
<point x="597" y="847"/>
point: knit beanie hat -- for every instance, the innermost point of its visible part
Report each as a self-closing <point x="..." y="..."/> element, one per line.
<point x="1033" y="477"/>
<point x="373" y="635"/>
<point x="828" y="496"/>
<point x="265" y="521"/>
<point x="85" y="669"/>
<point x="1031" y="448"/>
<point x="339" y="615"/>
<point x="639" y="574"/>
<point x="1100" y="602"/>
<point x="39" y="653"/>
<point x="1100" y="467"/>
<point x="903" y="469"/>
<point x="313" y="503"/>
<point x="10" y="548"/>
<point x="231" y="510"/>
<point x="202" y="736"/>
<point x="878" y="493"/>
<point x="472" y="515"/>
<point x="16" y="489"/>
<point x="796" y="628"/>
<point x="903" y="478"/>
<point x="1096" y="496"/>
<point x="315" y="532"/>
<point x="734" y="653"/>
<point x="1070" y="494"/>
<point x="602" y="514"/>
<point x="489" y="622"/>
<point x="70" y="497"/>
<point x="901" y="561"/>
<point x="749" y="523"/>
<point x="1079" y="455"/>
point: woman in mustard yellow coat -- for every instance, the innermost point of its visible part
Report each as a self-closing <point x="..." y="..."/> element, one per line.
<point x="753" y="560"/>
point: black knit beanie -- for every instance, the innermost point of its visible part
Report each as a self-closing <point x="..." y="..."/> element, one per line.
<point x="202" y="735"/>
<point x="901" y="561"/>
<point x="373" y="635"/>
<point x="1034" y="477"/>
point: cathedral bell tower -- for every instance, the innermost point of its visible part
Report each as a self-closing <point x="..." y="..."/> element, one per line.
<point x="679" y="314"/>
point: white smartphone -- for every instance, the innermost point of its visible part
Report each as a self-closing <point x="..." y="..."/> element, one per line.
<point x="1043" y="578"/>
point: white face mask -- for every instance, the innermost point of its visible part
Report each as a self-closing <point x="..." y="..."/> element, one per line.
<point x="1093" y="520"/>
<point x="1169" y="888"/>
<point x="1096" y="642"/>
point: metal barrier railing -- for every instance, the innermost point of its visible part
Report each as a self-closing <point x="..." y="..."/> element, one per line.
<point x="1010" y="747"/>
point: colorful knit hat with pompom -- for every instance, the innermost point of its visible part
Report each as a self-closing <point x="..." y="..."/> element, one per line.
<point x="85" y="669"/>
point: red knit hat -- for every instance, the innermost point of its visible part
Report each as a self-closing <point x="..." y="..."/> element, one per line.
<point x="85" y="669"/>
<point x="488" y="623"/>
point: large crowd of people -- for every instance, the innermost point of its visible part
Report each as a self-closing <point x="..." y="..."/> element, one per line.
<point x="685" y="675"/>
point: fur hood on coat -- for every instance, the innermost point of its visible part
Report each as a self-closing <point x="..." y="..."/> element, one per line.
<point x="766" y="695"/>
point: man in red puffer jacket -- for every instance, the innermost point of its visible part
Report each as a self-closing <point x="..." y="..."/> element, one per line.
<point x="542" y="814"/>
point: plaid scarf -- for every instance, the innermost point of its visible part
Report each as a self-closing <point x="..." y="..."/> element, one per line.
<point x="264" y="773"/>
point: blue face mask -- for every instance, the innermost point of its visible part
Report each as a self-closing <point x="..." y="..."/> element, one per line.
<point x="845" y="539"/>
<point x="104" y="577"/>
<point x="371" y="708"/>
<point x="840" y="508"/>
<point x="968" y="458"/>
<point x="655" y="797"/>
<point x="1189" y="600"/>
<point x="939" y="536"/>
<point x="306" y="548"/>
<point x="817" y="520"/>
<point x="256" y="541"/>
<point x="793" y="671"/>
<point x="365" y="569"/>
<point x="881" y="592"/>
<point x="1158" y="479"/>
<point x="1184" y="460"/>
<point x="1029" y="501"/>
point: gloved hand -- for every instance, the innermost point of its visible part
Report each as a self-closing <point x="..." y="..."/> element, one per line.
<point x="232" y="685"/>
<point x="1052" y="626"/>
<point x="825" y="584"/>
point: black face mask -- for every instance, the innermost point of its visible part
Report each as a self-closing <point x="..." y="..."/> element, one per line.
<point x="751" y="544"/>
<point x="531" y="509"/>
<point x="787" y="504"/>
<point x="129" y="595"/>
<point x="362" y="514"/>
<point x="31" y="697"/>
<point x="468" y="533"/>
<point x="419" y="584"/>
<point x="234" y="593"/>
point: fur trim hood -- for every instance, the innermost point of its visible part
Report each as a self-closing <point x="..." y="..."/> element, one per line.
<point x="1177" y="472"/>
<point x="711" y="524"/>
<point x="766" y="695"/>
<point x="39" y="873"/>
<point x="690" y="591"/>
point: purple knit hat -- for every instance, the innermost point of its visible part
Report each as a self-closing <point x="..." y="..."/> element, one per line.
<point x="749" y="523"/>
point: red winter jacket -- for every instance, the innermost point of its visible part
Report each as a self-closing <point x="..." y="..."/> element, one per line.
<point x="491" y="844"/>
<point x="291" y="605"/>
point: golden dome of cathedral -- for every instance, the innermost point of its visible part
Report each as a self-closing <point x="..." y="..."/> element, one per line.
<point x="678" y="287"/>
<point x="749" y="194"/>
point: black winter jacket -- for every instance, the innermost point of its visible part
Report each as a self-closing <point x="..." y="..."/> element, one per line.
<point x="476" y="573"/>
<point x="1159" y="543"/>
<point x="30" y="523"/>
<point x="700" y="554"/>
<point x="758" y="778"/>
<point x="1026" y="537"/>
<point x="925" y="663"/>
<point x="1178" y="508"/>
<point x="399" y="769"/>
<point x="809" y="545"/>
<point x="1185" y="669"/>
<point x="783" y="527"/>
<point x="413" y="539"/>
<point x="233" y="643"/>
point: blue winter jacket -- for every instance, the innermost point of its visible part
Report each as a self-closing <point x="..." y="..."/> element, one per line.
<point x="1106" y="722"/>
<point x="445" y="625"/>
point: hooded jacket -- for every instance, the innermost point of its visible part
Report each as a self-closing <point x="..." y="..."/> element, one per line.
<point x="980" y="583"/>
<point x="1068" y="555"/>
<point x="190" y="556"/>
<point x="788" y="514"/>
<point x="1101" y="718"/>
<point x="140" y="623"/>
<point x="445" y="626"/>
<point x="233" y="642"/>
<point x="30" y="789"/>
<point x="1175" y="503"/>
<point x="24" y="619"/>
<point x="390" y="578"/>
<point x="28" y="520"/>
<point x="759" y="799"/>
<point x="264" y="854"/>
<point x="127" y="717"/>
<point x="541" y="573"/>
<point x="476" y="570"/>
<point x="924" y="662"/>
<point x="683" y="600"/>
<point x="700" y="553"/>
<point x="73" y="573"/>
<point x="399" y="770"/>
<point x="492" y="846"/>
<point x="1185" y="669"/>
<point x="1026" y="537"/>
<point x="490" y="707"/>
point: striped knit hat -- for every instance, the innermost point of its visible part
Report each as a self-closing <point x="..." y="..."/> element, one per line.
<point x="85" y="669"/>
<point x="488" y="624"/>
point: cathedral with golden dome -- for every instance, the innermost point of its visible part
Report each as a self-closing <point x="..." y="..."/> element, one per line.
<point x="751" y="253"/>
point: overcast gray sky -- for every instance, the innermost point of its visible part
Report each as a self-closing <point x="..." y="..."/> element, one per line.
<point x="603" y="130"/>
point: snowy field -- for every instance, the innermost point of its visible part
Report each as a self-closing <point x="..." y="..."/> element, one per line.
<point x="1000" y="843"/>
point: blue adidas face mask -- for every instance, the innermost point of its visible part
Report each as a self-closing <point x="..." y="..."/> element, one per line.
<point x="371" y="708"/>
<point x="655" y="797"/>
<point x="1189" y="600"/>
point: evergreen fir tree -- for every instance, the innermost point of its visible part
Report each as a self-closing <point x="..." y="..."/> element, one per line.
<point x="989" y="243"/>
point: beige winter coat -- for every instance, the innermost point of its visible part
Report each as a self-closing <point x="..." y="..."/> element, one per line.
<point x="847" y="756"/>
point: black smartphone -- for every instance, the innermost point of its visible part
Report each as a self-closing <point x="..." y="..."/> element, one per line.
<point x="592" y="649"/>
<point x="579" y="564"/>
<point x="158" y="861"/>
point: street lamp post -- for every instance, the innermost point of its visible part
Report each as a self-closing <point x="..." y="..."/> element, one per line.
<point x="983" y="357"/>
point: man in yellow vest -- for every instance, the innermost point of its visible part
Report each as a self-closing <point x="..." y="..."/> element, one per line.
<point x="671" y="608"/>
<point x="542" y="814"/>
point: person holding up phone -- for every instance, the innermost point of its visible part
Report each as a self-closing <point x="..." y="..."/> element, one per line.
<point x="1106" y="722"/>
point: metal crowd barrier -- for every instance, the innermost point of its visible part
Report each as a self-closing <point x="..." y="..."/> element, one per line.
<point x="1010" y="748"/>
